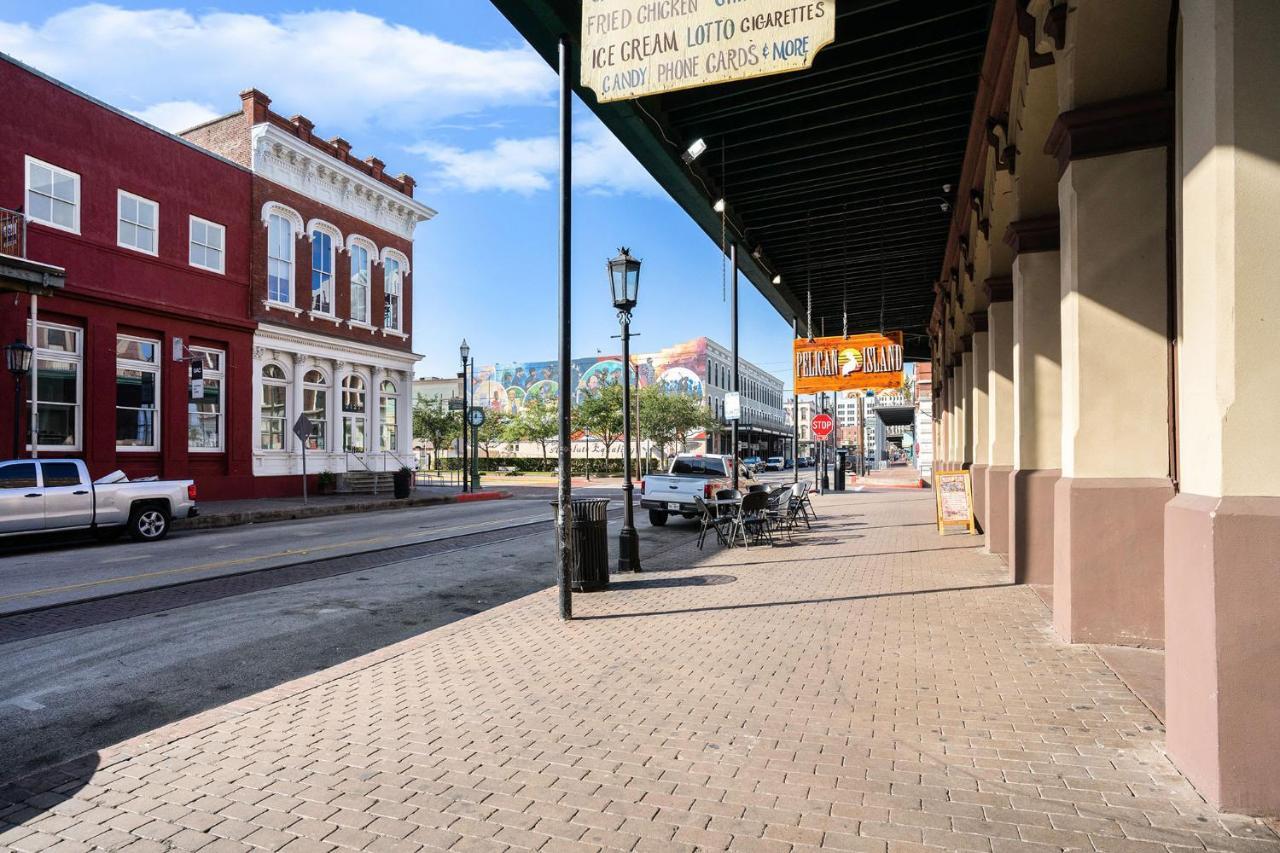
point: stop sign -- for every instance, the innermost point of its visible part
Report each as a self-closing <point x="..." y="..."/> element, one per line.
<point x="823" y="425"/>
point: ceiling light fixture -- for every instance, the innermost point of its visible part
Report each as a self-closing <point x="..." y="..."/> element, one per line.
<point x="718" y="207"/>
<point x="694" y="151"/>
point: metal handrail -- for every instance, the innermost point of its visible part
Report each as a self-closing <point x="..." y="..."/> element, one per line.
<point x="13" y="233"/>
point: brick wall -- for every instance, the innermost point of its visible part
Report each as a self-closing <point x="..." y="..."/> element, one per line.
<point x="228" y="136"/>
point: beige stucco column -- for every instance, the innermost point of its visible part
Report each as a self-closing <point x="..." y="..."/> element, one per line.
<point x="978" y="416"/>
<point x="999" y="412"/>
<point x="1109" y="504"/>
<point x="1037" y="399"/>
<point x="1222" y="533"/>
<point x="1110" y="143"/>
<point x="966" y="401"/>
<point x="961" y="414"/>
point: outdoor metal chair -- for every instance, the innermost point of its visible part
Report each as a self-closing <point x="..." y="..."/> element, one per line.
<point x="797" y="503"/>
<point x="711" y="521"/>
<point x="757" y="487"/>
<point x="728" y="495"/>
<point x="778" y="510"/>
<point x="752" y="521"/>
<point x="807" y="501"/>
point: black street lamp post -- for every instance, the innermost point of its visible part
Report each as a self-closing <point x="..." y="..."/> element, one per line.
<point x="624" y="281"/>
<point x="17" y="356"/>
<point x="464" y="350"/>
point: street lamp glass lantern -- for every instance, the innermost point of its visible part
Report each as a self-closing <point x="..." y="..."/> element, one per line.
<point x="464" y="350"/>
<point x="17" y="356"/>
<point x="624" y="279"/>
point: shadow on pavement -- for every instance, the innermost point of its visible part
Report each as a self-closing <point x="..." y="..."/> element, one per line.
<point x="793" y="602"/>
<point x="666" y="583"/>
<point x="31" y="796"/>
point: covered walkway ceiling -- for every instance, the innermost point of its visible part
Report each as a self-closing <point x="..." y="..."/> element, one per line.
<point x="833" y="175"/>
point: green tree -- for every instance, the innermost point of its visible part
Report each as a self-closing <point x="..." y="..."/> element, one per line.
<point x="538" y="422"/>
<point x="433" y="422"/>
<point x="493" y="431"/>
<point x="600" y="416"/>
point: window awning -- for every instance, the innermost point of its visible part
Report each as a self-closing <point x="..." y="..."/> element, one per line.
<point x="834" y="175"/>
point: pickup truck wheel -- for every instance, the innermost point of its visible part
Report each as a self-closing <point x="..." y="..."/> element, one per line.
<point x="148" y="524"/>
<point x="657" y="517"/>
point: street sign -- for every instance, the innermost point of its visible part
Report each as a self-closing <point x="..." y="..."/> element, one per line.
<point x="822" y="425"/>
<point x="732" y="406"/>
<point x="302" y="428"/>
<point x="475" y="417"/>
<point x="456" y="404"/>
<point x="197" y="380"/>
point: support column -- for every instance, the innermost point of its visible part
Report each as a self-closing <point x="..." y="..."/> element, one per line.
<point x="1109" y="503"/>
<point x="958" y="412"/>
<point x="1037" y="399"/>
<point x="966" y="401"/>
<point x="1222" y="533"/>
<point x="999" y="412"/>
<point x="979" y="410"/>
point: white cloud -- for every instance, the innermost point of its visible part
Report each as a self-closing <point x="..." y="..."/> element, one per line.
<point x="336" y="67"/>
<point x="527" y="166"/>
<point x="174" y="116"/>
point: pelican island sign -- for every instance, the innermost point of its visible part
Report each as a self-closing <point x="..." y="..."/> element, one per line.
<point x="847" y="364"/>
<point x="632" y="48"/>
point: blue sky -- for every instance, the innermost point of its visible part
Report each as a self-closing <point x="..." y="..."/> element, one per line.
<point x="447" y="91"/>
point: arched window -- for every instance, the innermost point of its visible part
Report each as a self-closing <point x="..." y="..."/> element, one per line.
<point x="279" y="259"/>
<point x="390" y="405"/>
<point x="360" y="282"/>
<point x="315" y="405"/>
<point x="353" y="414"/>
<point x="392" y="284"/>
<point x="321" y="272"/>
<point x="273" y="414"/>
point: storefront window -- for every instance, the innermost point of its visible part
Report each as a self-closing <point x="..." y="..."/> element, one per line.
<point x="389" y="410"/>
<point x="137" y="393"/>
<point x="315" y="405"/>
<point x="273" y="412"/>
<point x="204" y="419"/>
<point x="353" y="414"/>
<point x="57" y="385"/>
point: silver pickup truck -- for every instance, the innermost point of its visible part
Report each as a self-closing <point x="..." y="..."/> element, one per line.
<point x="38" y="495"/>
<point x="691" y="475"/>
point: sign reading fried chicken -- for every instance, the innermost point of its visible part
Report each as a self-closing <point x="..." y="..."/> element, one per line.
<point x="848" y="364"/>
<point x="632" y="48"/>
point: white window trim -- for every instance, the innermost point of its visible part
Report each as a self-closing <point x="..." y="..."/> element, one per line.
<point x="120" y="196"/>
<point x="335" y="248"/>
<point x="156" y="367"/>
<point x="191" y="220"/>
<point x="78" y="358"/>
<point x="371" y="248"/>
<point x="291" y="216"/>
<point x="263" y="382"/>
<point x="403" y="260"/>
<point x="221" y="376"/>
<point x="329" y="390"/>
<point x="26" y="180"/>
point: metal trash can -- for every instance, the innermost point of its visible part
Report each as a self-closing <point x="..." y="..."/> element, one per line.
<point x="589" y="571"/>
<point x="842" y="463"/>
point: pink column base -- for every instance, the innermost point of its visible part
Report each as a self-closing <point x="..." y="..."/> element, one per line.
<point x="1031" y="525"/>
<point x="1222" y="660"/>
<point x="1109" y="560"/>
<point x="978" y="475"/>
<point x="997" y="510"/>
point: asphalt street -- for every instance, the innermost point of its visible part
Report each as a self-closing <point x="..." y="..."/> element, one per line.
<point x="71" y="692"/>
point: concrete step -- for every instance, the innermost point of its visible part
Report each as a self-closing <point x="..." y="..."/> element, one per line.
<point x="367" y="483"/>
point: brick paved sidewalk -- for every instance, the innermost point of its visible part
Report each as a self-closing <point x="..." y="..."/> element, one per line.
<point x="873" y="687"/>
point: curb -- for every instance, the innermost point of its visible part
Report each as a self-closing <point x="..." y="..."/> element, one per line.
<point x="234" y="519"/>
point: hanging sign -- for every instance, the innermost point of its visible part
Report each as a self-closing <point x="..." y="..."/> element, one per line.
<point x="632" y="48"/>
<point x="732" y="406"/>
<point x="953" y="491"/>
<point x="197" y="380"/>
<point x="870" y="361"/>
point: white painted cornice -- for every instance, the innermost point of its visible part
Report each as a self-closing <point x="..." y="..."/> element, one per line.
<point x="295" y="341"/>
<point x="284" y="159"/>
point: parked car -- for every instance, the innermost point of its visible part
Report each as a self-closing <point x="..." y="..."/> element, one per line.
<point x="804" y="461"/>
<point x="775" y="463"/>
<point x="56" y="494"/>
<point x="754" y="464"/>
<point x="690" y="476"/>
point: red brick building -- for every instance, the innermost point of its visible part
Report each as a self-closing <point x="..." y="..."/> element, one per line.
<point x="330" y="290"/>
<point x="275" y="258"/>
<point x="154" y="234"/>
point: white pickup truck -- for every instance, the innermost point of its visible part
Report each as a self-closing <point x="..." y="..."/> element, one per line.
<point x="44" y="495"/>
<point x="690" y="476"/>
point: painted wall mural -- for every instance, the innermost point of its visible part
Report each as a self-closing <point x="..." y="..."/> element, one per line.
<point x="679" y="369"/>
